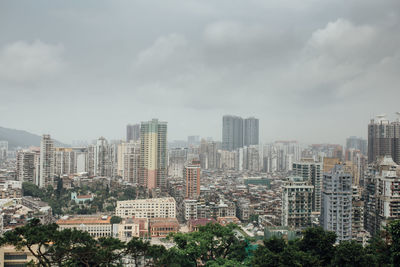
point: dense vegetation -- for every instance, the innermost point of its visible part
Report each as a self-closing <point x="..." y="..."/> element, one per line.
<point x="59" y="199"/>
<point x="213" y="245"/>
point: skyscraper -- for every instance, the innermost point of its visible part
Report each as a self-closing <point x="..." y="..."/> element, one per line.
<point x="153" y="154"/>
<point x="232" y="132"/>
<point x="102" y="158"/>
<point x="251" y="132"/>
<point x="383" y="139"/>
<point x="132" y="132"/>
<point x="131" y="162"/>
<point x="336" y="210"/>
<point x="46" y="163"/>
<point x="26" y="171"/>
<point x="191" y="176"/>
<point x="311" y="171"/>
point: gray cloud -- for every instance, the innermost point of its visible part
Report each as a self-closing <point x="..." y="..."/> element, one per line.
<point x="310" y="70"/>
<point x="26" y="62"/>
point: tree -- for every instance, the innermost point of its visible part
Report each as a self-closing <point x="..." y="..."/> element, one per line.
<point x="378" y="251"/>
<point x="211" y="242"/>
<point x="137" y="249"/>
<point x="318" y="243"/>
<point x="115" y="220"/>
<point x="30" y="189"/>
<point x="69" y="247"/>
<point x="394" y="231"/>
<point x="350" y="253"/>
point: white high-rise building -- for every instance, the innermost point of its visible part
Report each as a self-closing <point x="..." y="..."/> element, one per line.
<point x="46" y="162"/>
<point x="336" y="210"/>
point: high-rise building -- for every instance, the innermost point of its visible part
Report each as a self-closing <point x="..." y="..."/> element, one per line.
<point x="3" y="150"/>
<point x="311" y="171"/>
<point x="232" y="132"/>
<point x="383" y="139"/>
<point x="238" y="132"/>
<point x="26" y="170"/>
<point x="46" y="162"/>
<point x="191" y="176"/>
<point x="251" y="132"/>
<point x="177" y="159"/>
<point x="132" y="132"/>
<point x="153" y="154"/>
<point x="297" y="203"/>
<point x="357" y="143"/>
<point x="102" y="158"/>
<point x="131" y="162"/>
<point x="208" y="154"/>
<point x="336" y="211"/>
<point x="64" y="161"/>
<point x="381" y="197"/>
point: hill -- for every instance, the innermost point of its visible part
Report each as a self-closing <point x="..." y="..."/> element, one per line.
<point x="20" y="138"/>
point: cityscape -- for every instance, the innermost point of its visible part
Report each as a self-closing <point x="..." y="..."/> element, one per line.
<point x="199" y="133"/>
<point x="145" y="187"/>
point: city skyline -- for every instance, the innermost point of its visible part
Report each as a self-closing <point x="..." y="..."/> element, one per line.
<point x="116" y="62"/>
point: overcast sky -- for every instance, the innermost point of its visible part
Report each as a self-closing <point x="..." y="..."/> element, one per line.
<point x="313" y="71"/>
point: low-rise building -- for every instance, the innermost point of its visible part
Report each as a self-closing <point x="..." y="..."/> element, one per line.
<point x="161" y="227"/>
<point x="81" y="199"/>
<point x="190" y="209"/>
<point x="95" y="226"/>
<point x="132" y="227"/>
<point x="147" y="208"/>
<point x="11" y="257"/>
<point x="194" y="225"/>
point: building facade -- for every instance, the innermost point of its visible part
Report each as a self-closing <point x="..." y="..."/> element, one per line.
<point x="297" y="203"/>
<point x="311" y="171"/>
<point x="46" y="165"/>
<point x="336" y="213"/>
<point x="232" y="132"/>
<point x="132" y="132"/>
<point x="251" y="131"/>
<point x="153" y="154"/>
<point x="383" y="140"/>
<point x="191" y="176"/>
<point x="147" y="208"/>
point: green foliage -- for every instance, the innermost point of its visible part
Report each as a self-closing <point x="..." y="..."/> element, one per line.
<point x="210" y="243"/>
<point x="212" y="246"/>
<point x="393" y="230"/>
<point x="318" y="243"/>
<point x="115" y="219"/>
<point x="350" y="253"/>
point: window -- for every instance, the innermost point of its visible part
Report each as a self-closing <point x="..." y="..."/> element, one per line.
<point x="8" y="256"/>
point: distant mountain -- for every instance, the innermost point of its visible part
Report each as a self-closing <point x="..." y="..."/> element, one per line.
<point x="20" y="138"/>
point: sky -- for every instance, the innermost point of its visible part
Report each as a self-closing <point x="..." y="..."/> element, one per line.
<point x="312" y="71"/>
